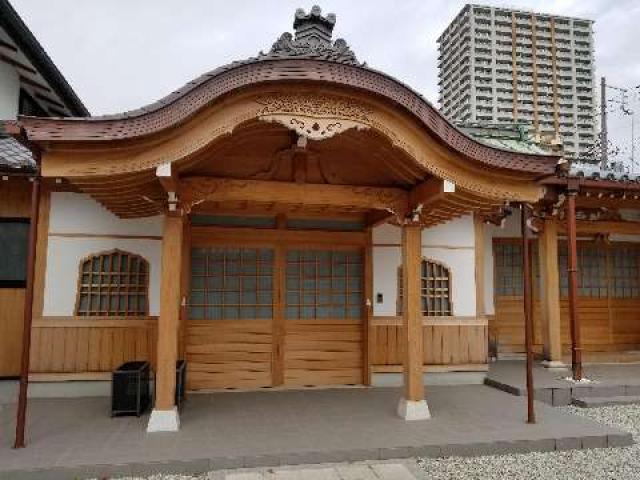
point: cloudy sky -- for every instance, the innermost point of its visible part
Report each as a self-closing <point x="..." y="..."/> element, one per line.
<point x="122" y="54"/>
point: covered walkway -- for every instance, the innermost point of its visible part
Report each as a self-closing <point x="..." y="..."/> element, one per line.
<point x="270" y="428"/>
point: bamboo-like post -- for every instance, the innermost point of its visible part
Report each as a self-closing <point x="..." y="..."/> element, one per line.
<point x="28" y="314"/>
<point x="574" y="322"/>
<point x="528" y="309"/>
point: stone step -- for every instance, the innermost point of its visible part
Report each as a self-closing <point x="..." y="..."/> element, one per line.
<point x="589" y="402"/>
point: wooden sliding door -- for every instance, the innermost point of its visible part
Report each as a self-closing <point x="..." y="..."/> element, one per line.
<point x="231" y="311"/>
<point x="271" y="312"/>
<point x="324" y="307"/>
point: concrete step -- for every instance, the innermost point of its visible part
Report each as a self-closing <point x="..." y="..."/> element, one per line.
<point x="590" y="402"/>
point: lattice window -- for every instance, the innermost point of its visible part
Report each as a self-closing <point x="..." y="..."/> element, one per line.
<point x="435" y="289"/>
<point x="625" y="275"/>
<point x="324" y="284"/>
<point x="592" y="270"/>
<point x="508" y="269"/>
<point x="231" y="283"/>
<point x="113" y="283"/>
<point x="508" y="280"/>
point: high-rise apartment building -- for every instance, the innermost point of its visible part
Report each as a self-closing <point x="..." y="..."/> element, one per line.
<point x="499" y="65"/>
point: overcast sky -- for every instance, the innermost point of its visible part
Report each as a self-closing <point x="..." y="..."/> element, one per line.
<point x="121" y="54"/>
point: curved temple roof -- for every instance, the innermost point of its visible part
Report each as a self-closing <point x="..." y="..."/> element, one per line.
<point x="309" y="55"/>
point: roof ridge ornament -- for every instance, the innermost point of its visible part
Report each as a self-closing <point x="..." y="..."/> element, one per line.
<point x="313" y="39"/>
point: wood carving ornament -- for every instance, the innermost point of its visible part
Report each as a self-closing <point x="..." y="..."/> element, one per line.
<point x="315" y="117"/>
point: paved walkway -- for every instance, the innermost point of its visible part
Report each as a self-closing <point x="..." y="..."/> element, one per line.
<point x="550" y="386"/>
<point x="382" y="471"/>
<point x="76" y="438"/>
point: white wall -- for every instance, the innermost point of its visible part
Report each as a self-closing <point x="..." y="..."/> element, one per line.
<point x="9" y="92"/>
<point x="79" y="213"/>
<point x="79" y="227"/>
<point x="510" y="229"/>
<point x="452" y="244"/>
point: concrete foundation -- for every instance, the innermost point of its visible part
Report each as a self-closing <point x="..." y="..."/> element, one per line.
<point x="413" y="410"/>
<point x="164" y="421"/>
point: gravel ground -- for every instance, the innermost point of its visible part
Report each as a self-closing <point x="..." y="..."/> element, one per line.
<point x="605" y="463"/>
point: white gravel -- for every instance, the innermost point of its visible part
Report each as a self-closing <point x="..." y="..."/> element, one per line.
<point x="604" y="463"/>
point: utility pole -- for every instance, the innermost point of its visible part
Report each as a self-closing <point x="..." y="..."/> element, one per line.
<point x="604" y="140"/>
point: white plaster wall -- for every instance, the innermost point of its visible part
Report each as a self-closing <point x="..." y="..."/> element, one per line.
<point x="79" y="213"/>
<point x="452" y="243"/>
<point x="79" y="227"/>
<point x="510" y="229"/>
<point x="9" y="92"/>
<point x="622" y="237"/>
<point x="63" y="259"/>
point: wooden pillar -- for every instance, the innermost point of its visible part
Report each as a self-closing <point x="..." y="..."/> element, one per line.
<point x="21" y="416"/>
<point x="165" y="415"/>
<point x="527" y="284"/>
<point x="413" y="405"/>
<point x="550" y="298"/>
<point x="574" y="322"/>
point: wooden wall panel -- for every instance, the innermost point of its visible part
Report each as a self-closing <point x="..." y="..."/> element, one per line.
<point x="602" y="328"/>
<point x="11" y="322"/>
<point x="15" y="198"/>
<point x="323" y="352"/>
<point x="445" y="344"/>
<point x="79" y="345"/>
<point x="228" y="354"/>
<point x="15" y="201"/>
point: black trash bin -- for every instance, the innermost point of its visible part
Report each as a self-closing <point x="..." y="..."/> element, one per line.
<point x="130" y="393"/>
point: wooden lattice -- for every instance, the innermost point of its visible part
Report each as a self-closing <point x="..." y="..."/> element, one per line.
<point x="231" y="283"/>
<point x="435" y="289"/>
<point x="323" y="284"/>
<point x="113" y="283"/>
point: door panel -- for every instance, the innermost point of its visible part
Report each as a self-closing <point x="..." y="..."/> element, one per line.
<point x="270" y="316"/>
<point x="324" y="303"/>
<point x="229" y="334"/>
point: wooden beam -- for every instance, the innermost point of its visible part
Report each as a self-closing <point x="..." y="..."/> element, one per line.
<point x="192" y="190"/>
<point x="167" y="176"/>
<point x="412" y="313"/>
<point x="430" y="191"/>
<point x="548" y="261"/>
<point x="169" y="319"/>
<point x="584" y="227"/>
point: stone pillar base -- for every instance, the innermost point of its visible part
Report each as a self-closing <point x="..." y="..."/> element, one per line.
<point x="413" y="410"/>
<point x="164" y="421"/>
<point x="554" y="365"/>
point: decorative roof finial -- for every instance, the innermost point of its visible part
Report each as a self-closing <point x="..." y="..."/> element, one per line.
<point x="312" y="39"/>
<point x="312" y="27"/>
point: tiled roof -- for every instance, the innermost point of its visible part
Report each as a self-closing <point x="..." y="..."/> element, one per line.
<point x="615" y="172"/>
<point x="14" y="157"/>
<point x="512" y="137"/>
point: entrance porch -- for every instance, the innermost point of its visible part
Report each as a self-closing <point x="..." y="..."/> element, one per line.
<point x="270" y="428"/>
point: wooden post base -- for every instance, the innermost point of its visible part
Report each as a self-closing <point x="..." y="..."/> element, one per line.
<point x="164" y="421"/>
<point x="411" y="410"/>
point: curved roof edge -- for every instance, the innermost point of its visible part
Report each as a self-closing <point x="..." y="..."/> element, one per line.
<point x="182" y="104"/>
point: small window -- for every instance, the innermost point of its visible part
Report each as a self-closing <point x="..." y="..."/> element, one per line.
<point x="435" y="289"/>
<point x="113" y="283"/>
<point x="14" y="236"/>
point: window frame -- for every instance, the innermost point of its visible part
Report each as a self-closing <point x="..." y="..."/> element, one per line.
<point x="144" y="286"/>
<point x="449" y="280"/>
<point x="7" y="284"/>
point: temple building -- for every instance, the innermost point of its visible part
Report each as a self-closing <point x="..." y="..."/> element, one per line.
<point x="299" y="219"/>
